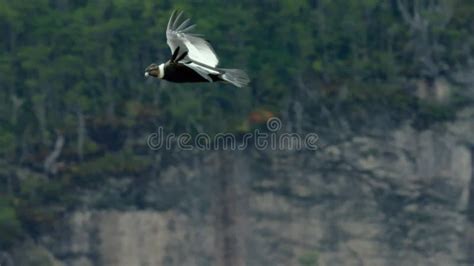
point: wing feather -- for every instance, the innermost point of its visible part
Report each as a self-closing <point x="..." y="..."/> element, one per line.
<point x="183" y="25"/>
<point x="178" y="35"/>
<point x="203" y="70"/>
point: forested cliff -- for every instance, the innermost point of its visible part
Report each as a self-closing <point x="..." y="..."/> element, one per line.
<point x="386" y="85"/>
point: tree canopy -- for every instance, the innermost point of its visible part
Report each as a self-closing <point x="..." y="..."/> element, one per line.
<point x="75" y="68"/>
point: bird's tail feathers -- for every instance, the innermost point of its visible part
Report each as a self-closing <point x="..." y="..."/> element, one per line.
<point x="236" y="77"/>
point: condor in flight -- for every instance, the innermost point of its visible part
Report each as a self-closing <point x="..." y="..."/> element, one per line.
<point x="193" y="58"/>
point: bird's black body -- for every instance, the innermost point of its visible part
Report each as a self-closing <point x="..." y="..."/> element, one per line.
<point x="180" y="73"/>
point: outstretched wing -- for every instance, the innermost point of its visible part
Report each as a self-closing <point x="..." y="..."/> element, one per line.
<point x="203" y="70"/>
<point x="178" y="35"/>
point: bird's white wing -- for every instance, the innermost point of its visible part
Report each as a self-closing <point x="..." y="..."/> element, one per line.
<point x="178" y="35"/>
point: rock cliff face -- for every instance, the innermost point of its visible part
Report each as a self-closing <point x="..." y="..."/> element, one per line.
<point x="383" y="197"/>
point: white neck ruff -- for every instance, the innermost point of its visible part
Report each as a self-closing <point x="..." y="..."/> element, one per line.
<point x="161" y="73"/>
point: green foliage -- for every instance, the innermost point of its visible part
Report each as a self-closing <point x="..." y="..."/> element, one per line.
<point x="309" y="259"/>
<point x="39" y="203"/>
<point x="7" y="140"/>
<point x="93" y="173"/>
<point x="63" y="61"/>
<point x="429" y="113"/>
<point x="69" y="56"/>
<point x="10" y="227"/>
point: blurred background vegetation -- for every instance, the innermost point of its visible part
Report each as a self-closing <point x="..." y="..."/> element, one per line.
<point x="71" y="81"/>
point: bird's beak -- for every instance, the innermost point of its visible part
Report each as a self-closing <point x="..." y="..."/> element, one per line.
<point x="147" y="74"/>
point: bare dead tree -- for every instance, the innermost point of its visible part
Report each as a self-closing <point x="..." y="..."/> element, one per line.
<point x="50" y="165"/>
<point x="81" y="134"/>
<point x="422" y="17"/>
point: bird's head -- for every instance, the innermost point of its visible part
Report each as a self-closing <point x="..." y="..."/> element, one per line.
<point x="152" y="70"/>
